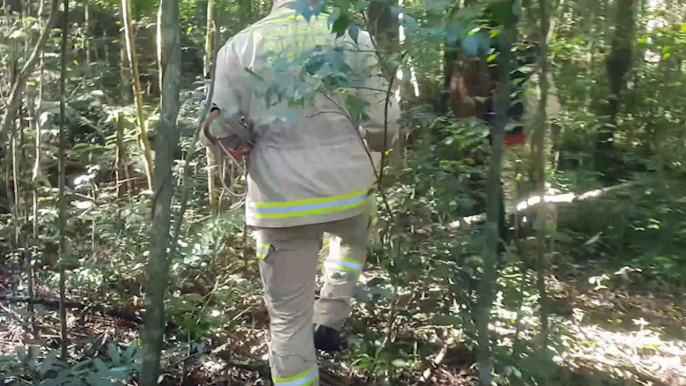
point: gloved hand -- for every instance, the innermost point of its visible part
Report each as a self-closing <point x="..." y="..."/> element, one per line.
<point x="203" y="104"/>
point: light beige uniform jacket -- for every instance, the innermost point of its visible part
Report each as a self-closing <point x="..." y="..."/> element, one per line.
<point x="307" y="165"/>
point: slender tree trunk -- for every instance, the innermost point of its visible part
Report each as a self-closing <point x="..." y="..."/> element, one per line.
<point x="121" y="159"/>
<point x="209" y="51"/>
<point x="16" y="180"/>
<point x="245" y="10"/>
<point x="123" y="66"/>
<point x="169" y="56"/>
<point x="20" y="81"/>
<point x="489" y="276"/>
<point x="137" y="91"/>
<point x="30" y="273"/>
<point x="34" y="179"/>
<point x="86" y="17"/>
<point x="539" y="170"/>
<point x="62" y="199"/>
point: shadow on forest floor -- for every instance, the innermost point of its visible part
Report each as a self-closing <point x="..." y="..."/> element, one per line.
<point x="626" y="335"/>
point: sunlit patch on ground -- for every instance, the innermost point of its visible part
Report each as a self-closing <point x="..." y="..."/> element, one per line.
<point x="641" y="355"/>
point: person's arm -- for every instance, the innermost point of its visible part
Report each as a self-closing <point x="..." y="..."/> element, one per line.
<point x="231" y="99"/>
<point x="381" y="124"/>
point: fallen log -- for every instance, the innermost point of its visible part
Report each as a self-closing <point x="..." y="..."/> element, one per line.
<point x="526" y="206"/>
<point x="54" y="303"/>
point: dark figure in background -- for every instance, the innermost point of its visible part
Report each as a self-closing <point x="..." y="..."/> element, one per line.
<point x="471" y="83"/>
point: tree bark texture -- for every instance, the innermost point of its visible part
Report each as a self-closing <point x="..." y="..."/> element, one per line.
<point x="62" y="209"/>
<point x="488" y="279"/>
<point x="122" y="168"/>
<point x="539" y="172"/>
<point x="209" y="52"/>
<point x="618" y="64"/>
<point x="137" y="91"/>
<point x="169" y="56"/>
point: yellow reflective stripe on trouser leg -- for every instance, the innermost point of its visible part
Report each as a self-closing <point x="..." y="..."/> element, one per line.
<point x="302" y="379"/>
<point x="308" y="207"/>
<point x="262" y="251"/>
<point x="344" y="263"/>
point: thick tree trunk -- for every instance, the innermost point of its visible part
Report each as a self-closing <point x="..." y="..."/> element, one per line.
<point x="492" y="241"/>
<point x="385" y="29"/>
<point x="618" y="65"/>
<point x="137" y="91"/>
<point x="169" y="56"/>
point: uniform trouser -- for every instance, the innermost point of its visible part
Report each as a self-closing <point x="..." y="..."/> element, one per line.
<point x="288" y="266"/>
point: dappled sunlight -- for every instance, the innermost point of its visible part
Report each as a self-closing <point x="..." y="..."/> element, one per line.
<point x="129" y="258"/>
<point x="637" y="355"/>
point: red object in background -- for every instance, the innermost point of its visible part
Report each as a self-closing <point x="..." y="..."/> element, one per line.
<point x="514" y="139"/>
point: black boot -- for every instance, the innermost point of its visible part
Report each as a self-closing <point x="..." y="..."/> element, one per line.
<point x="327" y="339"/>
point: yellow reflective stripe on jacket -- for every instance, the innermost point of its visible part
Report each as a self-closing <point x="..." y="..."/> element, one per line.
<point x="268" y="20"/>
<point x="302" y="379"/>
<point x="345" y="263"/>
<point x="280" y="17"/>
<point x="262" y="251"/>
<point x="307" y="207"/>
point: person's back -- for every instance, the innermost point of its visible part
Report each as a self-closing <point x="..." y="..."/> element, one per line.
<point x="309" y="173"/>
<point x="308" y="164"/>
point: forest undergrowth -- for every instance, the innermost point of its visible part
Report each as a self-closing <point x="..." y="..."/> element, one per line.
<point x="612" y="324"/>
<point x="590" y="286"/>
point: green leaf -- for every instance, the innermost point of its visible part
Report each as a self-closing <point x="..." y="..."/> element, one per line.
<point x="400" y="363"/>
<point x="303" y="8"/>
<point x="476" y="44"/>
<point x="355" y="106"/>
<point x="517" y="9"/>
<point x="318" y="7"/>
<point x="113" y="352"/>
<point x="683" y="27"/>
<point x="410" y="23"/>
<point x="333" y="17"/>
<point x="396" y="10"/>
<point x="48" y="363"/>
<point x="100" y="365"/>
<point x="341" y="25"/>
<point x="593" y="239"/>
<point x="354" y="32"/>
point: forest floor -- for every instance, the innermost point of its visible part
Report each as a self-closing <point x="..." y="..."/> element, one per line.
<point x="630" y="334"/>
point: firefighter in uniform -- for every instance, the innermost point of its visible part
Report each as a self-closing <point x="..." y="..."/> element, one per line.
<point x="309" y="173"/>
